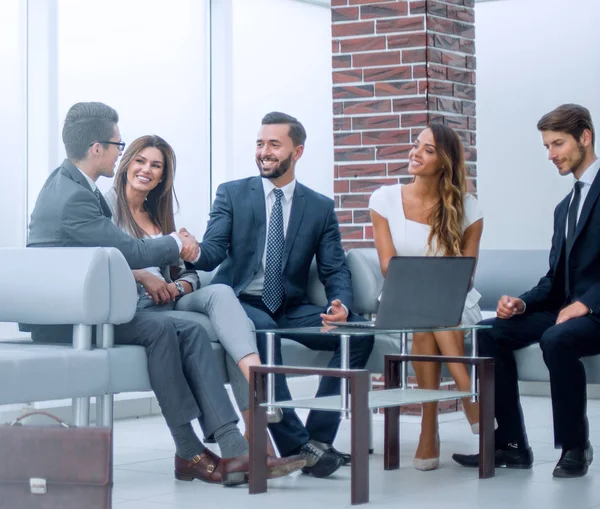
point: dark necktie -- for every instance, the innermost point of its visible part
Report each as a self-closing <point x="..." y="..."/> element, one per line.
<point x="571" y="226"/>
<point x="273" y="292"/>
<point x="98" y="196"/>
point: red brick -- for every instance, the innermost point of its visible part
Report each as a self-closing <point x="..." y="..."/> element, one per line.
<point x="375" y="59"/>
<point x="468" y="108"/>
<point x="353" y="92"/>
<point x="341" y="124"/>
<point x="419" y="71"/>
<point x="440" y="88"/>
<point x="336" y="201"/>
<point x="464" y="91"/>
<point x="409" y="24"/>
<point x="351" y="232"/>
<point x="413" y="56"/>
<point x="472" y="124"/>
<point x="393" y="152"/>
<point x="385" y="137"/>
<point x="335" y="3"/>
<point x="361" y="2"/>
<point x="341" y="61"/>
<point x="375" y="122"/>
<point x="456" y="121"/>
<point x="471" y="62"/>
<point x="470" y="154"/>
<point x="354" y="244"/>
<point x="471" y="186"/>
<point x="417" y="7"/>
<point x="464" y="30"/>
<point x="397" y="72"/>
<point x="407" y="40"/>
<point x="353" y="154"/>
<point x="467" y="46"/>
<point x="344" y="14"/>
<point x="395" y="88"/>
<point x="436" y="8"/>
<point x="347" y="76"/>
<point x="361" y="216"/>
<point x="341" y="186"/>
<point x="436" y="71"/>
<point x="354" y="201"/>
<point x="461" y="13"/>
<point x="368" y="185"/>
<point x="397" y="168"/>
<point x="448" y="104"/>
<point x="344" y="216"/>
<point x="350" y="29"/>
<point x="413" y="120"/>
<point x="410" y="104"/>
<point x="385" y="10"/>
<point x="363" y="44"/>
<point x="368" y="232"/>
<point x="446" y="42"/>
<point x="346" y="139"/>
<point x="358" y="107"/>
<point x="335" y="46"/>
<point x="440" y="25"/>
<point x="361" y="170"/>
<point x="461" y="76"/>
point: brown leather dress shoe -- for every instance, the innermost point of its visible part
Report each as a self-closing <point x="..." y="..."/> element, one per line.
<point x="278" y="467"/>
<point x="210" y="468"/>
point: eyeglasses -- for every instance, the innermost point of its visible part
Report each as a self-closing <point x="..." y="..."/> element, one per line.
<point x="120" y="144"/>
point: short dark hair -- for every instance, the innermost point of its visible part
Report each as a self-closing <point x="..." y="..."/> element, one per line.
<point x="297" y="131"/>
<point x="85" y="124"/>
<point x="572" y="119"/>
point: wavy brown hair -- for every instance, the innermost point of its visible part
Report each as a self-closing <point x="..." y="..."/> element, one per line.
<point x="447" y="216"/>
<point x="160" y="201"/>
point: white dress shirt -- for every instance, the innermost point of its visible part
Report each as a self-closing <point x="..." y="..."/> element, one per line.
<point x="257" y="284"/>
<point x="586" y="179"/>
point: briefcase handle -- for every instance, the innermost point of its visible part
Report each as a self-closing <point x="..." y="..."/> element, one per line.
<point x="18" y="420"/>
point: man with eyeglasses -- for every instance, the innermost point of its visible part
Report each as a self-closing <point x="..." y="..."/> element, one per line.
<point x="71" y="212"/>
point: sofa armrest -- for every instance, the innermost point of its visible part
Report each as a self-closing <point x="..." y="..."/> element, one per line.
<point x="52" y="286"/>
<point x="367" y="280"/>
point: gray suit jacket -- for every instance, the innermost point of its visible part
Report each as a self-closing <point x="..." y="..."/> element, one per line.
<point x="68" y="214"/>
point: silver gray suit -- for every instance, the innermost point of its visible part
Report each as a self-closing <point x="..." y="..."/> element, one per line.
<point x="180" y="360"/>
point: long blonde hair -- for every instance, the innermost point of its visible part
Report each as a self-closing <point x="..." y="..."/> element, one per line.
<point x="447" y="216"/>
<point x="160" y="201"/>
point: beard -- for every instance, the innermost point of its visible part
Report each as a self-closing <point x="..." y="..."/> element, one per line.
<point x="579" y="161"/>
<point x="277" y="171"/>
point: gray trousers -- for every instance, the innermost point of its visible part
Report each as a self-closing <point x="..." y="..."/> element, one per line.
<point x="228" y="325"/>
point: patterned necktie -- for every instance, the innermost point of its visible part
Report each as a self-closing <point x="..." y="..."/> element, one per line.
<point x="273" y="292"/>
<point x="571" y="226"/>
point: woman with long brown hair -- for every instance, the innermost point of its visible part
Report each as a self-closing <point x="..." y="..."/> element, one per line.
<point x="432" y="216"/>
<point x="142" y="201"/>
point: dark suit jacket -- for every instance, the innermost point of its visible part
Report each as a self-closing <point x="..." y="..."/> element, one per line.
<point x="236" y="233"/>
<point x="68" y="214"/>
<point x="583" y="261"/>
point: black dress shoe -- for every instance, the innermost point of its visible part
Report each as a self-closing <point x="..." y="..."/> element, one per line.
<point x="574" y="462"/>
<point x="329" y="448"/>
<point x="509" y="457"/>
<point x="319" y="463"/>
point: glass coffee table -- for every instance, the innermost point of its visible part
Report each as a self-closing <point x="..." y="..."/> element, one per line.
<point x="359" y="400"/>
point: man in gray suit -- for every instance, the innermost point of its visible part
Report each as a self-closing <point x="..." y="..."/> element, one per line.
<point x="71" y="212"/>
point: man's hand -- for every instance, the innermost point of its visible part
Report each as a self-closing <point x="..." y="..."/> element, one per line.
<point x="190" y="249"/>
<point x="173" y="291"/>
<point x="509" y="307"/>
<point x="574" y="310"/>
<point x="156" y="288"/>
<point x="337" y="313"/>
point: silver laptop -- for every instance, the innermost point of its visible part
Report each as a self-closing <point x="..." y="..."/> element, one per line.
<point x="422" y="292"/>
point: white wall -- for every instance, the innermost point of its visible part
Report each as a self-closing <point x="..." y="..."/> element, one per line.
<point x="532" y="55"/>
<point x="13" y="109"/>
<point x="271" y="55"/>
<point x="151" y="64"/>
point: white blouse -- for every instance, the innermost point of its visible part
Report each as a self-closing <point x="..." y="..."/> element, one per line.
<point x="410" y="238"/>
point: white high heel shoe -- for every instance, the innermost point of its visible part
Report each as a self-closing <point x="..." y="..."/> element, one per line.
<point x="428" y="463"/>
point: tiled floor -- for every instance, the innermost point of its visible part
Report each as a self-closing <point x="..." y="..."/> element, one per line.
<point x="144" y="473"/>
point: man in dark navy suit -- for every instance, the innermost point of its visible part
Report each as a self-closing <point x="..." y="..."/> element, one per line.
<point x="561" y="313"/>
<point x="264" y="231"/>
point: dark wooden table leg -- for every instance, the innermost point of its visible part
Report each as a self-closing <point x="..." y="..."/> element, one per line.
<point x="359" y="424"/>
<point x="391" y="435"/>
<point x="257" y="434"/>
<point x="486" y="419"/>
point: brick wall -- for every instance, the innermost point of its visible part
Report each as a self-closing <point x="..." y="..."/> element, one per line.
<point x="397" y="65"/>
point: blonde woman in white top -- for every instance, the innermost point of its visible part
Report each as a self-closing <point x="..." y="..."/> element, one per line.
<point x="432" y="216"/>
